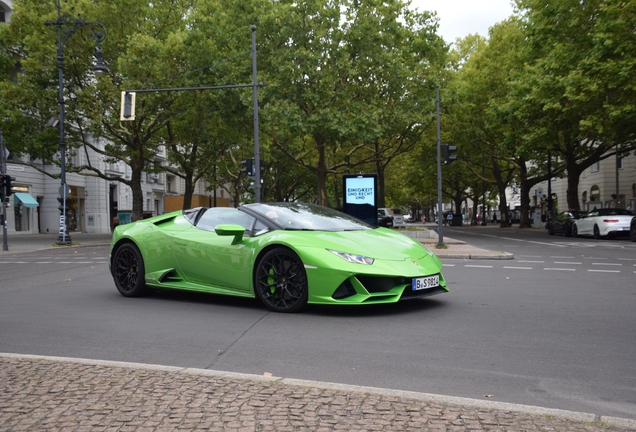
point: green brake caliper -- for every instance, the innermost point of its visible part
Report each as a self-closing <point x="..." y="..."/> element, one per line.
<point x="271" y="281"/>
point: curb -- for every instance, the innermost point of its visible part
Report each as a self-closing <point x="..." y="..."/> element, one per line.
<point x="425" y="397"/>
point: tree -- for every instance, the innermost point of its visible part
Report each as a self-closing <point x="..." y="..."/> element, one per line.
<point x="336" y="71"/>
<point x="578" y="87"/>
<point x="144" y="46"/>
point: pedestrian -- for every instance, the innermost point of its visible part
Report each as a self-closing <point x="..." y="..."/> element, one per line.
<point x="449" y="219"/>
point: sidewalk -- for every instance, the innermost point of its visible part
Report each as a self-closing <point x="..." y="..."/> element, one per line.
<point x="35" y="242"/>
<point x="48" y="393"/>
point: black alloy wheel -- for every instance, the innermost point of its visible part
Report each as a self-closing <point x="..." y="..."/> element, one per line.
<point x="597" y="233"/>
<point x="128" y="271"/>
<point x="281" y="281"/>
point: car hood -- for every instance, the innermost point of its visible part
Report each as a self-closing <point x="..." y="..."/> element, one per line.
<point x="380" y="243"/>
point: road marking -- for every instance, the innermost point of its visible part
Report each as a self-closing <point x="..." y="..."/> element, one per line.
<point x="608" y="264"/>
<point x="546" y="244"/>
<point x="530" y="256"/>
<point x="627" y="259"/>
<point x="604" y="271"/>
<point x="560" y="269"/>
<point x="513" y="239"/>
<point x="527" y="261"/>
<point x="562" y="257"/>
<point x="448" y="265"/>
<point x="518" y="268"/>
<point x="595" y="258"/>
<point x="569" y="262"/>
<point x="477" y="266"/>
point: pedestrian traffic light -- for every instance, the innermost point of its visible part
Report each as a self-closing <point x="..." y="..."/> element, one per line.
<point x="448" y="151"/>
<point x="248" y="167"/>
<point x="127" y="105"/>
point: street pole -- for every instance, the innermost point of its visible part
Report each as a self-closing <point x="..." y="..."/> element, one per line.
<point x="440" y="205"/>
<point x="549" y="216"/>
<point x="483" y="195"/>
<point x="257" y="151"/>
<point x="3" y="170"/>
<point x="62" y="38"/>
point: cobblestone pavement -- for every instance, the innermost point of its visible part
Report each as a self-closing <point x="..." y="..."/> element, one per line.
<point x="54" y="394"/>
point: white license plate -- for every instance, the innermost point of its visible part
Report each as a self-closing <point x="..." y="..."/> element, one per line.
<point x="425" y="282"/>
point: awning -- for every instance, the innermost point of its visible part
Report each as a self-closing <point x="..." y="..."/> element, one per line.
<point x="26" y="199"/>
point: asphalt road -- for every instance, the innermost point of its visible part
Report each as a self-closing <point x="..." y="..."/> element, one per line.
<point x="552" y="328"/>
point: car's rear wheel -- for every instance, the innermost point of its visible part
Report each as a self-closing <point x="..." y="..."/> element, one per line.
<point x="597" y="232"/>
<point x="632" y="232"/>
<point x="128" y="271"/>
<point x="281" y="281"/>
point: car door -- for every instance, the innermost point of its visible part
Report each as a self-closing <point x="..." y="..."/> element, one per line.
<point x="205" y="257"/>
<point x="585" y="225"/>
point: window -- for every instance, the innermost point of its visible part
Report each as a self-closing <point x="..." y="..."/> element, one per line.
<point x="596" y="167"/>
<point x="224" y="215"/>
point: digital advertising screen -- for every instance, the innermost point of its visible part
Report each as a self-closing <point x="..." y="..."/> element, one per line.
<point x="361" y="196"/>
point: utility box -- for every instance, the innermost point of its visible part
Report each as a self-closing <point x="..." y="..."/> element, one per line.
<point x="457" y="220"/>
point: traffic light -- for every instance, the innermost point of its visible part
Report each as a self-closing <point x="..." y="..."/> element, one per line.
<point x="248" y="167"/>
<point x="127" y="105"/>
<point x="2" y="186"/>
<point x="447" y="151"/>
<point x="7" y="185"/>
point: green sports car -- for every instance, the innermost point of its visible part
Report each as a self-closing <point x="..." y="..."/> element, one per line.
<point x="285" y="254"/>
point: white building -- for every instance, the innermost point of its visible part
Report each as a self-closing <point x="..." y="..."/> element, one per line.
<point x="608" y="183"/>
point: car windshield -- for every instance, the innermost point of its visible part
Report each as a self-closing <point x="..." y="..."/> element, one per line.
<point x="308" y="217"/>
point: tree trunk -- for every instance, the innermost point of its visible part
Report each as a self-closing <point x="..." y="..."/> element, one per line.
<point x="321" y="171"/>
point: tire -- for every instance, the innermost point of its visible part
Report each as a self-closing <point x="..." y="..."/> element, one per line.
<point x="632" y="233"/>
<point x="128" y="271"/>
<point x="597" y="233"/>
<point x="280" y="281"/>
<point x="550" y="230"/>
<point x="564" y="231"/>
<point x="575" y="231"/>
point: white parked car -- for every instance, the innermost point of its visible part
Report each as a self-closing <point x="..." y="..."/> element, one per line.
<point x="607" y="222"/>
<point x="393" y="213"/>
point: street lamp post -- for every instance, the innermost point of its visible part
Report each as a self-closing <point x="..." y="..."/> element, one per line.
<point x="66" y="26"/>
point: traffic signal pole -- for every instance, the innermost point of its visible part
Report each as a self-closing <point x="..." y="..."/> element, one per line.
<point x="440" y="205"/>
<point x="3" y="169"/>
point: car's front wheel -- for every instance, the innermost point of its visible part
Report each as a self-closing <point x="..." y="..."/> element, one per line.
<point x="128" y="271"/>
<point x="575" y="231"/>
<point x="281" y="281"/>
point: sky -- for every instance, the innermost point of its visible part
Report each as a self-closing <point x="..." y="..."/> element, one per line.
<point x="459" y="18"/>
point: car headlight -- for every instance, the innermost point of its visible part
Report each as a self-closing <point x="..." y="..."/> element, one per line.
<point x="353" y="258"/>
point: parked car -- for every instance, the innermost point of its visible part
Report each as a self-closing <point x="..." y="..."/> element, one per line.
<point x="632" y="229"/>
<point x="384" y="221"/>
<point x="395" y="214"/>
<point x="563" y="222"/>
<point x="607" y="222"/>
<point x="286" y="255"/>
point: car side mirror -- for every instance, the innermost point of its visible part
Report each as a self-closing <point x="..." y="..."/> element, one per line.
<point x="230" y="230"/>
